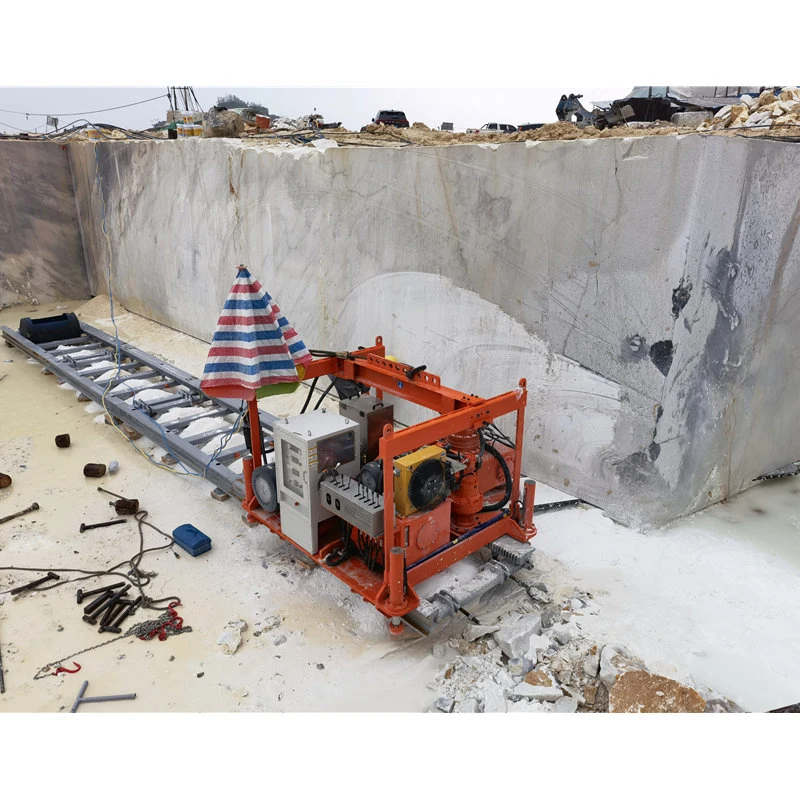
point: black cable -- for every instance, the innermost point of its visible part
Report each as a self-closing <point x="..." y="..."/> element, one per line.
<point x="340" y="556"/>
<point x="325" y="394"/>
<point x="138" y="578"/>
<point x="509" y="480"/>
<point x="80" y="113"/>
<point x="310" y="392"/>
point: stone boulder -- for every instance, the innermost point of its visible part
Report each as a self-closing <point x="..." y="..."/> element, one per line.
<point x="222" y="124"/>
<point x="640" y="692"/>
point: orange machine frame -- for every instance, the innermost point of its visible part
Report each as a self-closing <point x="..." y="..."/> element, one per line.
<point x="392" y="593"/>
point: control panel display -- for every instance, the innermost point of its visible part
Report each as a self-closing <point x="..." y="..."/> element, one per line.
<point x="293" y="467"/>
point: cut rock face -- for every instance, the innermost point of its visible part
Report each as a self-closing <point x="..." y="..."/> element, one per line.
<point x="643" y="693"/>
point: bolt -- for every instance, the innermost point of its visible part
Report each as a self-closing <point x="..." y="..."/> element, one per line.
<point x="31" y="507"/>
<point x="85" y="527"/>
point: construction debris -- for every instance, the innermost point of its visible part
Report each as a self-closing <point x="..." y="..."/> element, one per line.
<point x="520" y="666"/>
<point x="768" y="110"/>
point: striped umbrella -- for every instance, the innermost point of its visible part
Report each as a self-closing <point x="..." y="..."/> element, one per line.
<point x="255" y="352"/>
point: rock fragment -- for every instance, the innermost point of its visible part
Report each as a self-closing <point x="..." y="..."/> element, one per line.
<point x="445" y="704"/>
<point x="494" y="701"/>
<point x="231" y="637"/>
<point x="565" y="705"/>
<point x="473" y="632"/>
<point x="514" y="639"/>
<point x="538" y="685"/>
<point x="640" y="692"/>
<point x="615" y="662"/>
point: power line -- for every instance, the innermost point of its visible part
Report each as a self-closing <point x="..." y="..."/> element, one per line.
<point x="80" y="113"/>
<point x="14" y="127"/>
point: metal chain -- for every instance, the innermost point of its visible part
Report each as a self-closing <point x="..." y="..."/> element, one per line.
<point x="140" y="629"/>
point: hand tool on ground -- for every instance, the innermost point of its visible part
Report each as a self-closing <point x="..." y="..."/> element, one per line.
<point x="114" y="625"/>
<point x="51" y="576"/>
<point x="59" y="670"/>
<point x="124" y="505"/>
<point x="2" y="679"/>
<point x="91" y="617"/>
<point x="31" y="507"/>
<point x="112" y="609"/>
<point x="85" y="527"/>
<point x="95" y="604"/>
<point x="82" y="595"/>
<point x="80" y="699"/>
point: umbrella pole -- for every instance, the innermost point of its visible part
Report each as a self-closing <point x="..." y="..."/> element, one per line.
<point x="255" y="432"/>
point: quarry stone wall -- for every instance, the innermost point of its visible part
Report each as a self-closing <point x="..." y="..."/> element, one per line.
<point x="41" y="256"/>
<point x="647" y="288"/>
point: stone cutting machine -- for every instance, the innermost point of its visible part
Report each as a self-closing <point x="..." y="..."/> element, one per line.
<point x="383" y="507"/>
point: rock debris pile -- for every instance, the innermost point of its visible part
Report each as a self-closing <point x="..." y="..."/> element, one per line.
<point x="765" y="111"/>
<point x="538" y="659"/>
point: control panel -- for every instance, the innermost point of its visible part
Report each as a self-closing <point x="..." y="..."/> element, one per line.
<point x="306" y="446"/>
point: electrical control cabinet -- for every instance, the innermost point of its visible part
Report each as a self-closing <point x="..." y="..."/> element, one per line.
<point x="306" y="446"/>
<point x="371" y="415"/>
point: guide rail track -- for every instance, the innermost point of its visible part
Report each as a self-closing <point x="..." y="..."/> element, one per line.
<point x="76" y="361"/>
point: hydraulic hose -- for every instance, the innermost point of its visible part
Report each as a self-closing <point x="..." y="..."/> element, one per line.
<point x="492" y="450"/>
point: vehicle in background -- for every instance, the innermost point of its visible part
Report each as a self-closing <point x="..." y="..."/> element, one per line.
<point x="494" y="127"/>
<point x="530" y="126"/>
<point x="390" y="117"/>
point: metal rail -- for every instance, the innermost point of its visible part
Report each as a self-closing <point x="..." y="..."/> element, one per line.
<point x="75" y="365"/>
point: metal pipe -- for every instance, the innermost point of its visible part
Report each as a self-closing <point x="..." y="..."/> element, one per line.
<point x="528" y="506"/>
<point x="518" y="443"/>
<point x="80" y="699"/>
<point x="396" y="577"/>
<point x="255" y="432"/>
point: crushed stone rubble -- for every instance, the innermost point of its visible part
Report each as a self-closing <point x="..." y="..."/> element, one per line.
<point x="539" y="659"/>
<point x="768" y="110"/>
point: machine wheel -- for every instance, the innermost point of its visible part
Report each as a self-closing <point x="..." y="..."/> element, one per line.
<point x="265" y="487"/>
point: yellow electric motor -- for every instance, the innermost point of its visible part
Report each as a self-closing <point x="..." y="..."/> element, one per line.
<point x="420" y="480"/>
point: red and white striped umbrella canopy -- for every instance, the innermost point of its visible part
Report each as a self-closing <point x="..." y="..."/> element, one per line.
<point x="253" y="346"/>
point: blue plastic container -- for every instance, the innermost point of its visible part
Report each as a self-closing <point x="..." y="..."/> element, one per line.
<point x="193" y="541"/>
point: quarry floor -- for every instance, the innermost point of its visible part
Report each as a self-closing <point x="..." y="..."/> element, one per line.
<point x="712" y="600"/>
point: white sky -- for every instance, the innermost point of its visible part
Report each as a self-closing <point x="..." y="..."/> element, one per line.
<point x="353" y="107"/>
